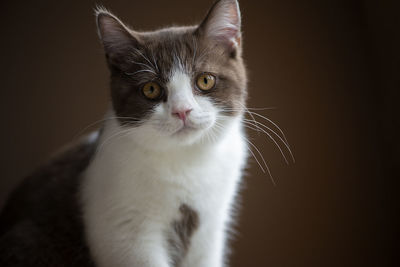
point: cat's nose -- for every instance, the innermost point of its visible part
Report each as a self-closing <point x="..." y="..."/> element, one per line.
<point x="181" y="113"/>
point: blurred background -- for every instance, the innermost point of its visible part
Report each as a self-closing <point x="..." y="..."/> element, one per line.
<point x="330" y="70"/>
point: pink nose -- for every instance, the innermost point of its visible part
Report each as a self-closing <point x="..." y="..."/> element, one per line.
<point x="181" y="114"/>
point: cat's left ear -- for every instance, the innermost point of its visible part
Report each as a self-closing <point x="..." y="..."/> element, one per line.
<point x="118" y="40"/>
<point x="222" y="24"/>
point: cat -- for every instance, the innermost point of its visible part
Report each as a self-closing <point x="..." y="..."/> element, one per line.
<point x="156" y="186"/>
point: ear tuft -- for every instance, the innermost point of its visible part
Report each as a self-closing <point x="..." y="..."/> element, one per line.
<point x="223" y="23"/>
<point x="116" y="37"/>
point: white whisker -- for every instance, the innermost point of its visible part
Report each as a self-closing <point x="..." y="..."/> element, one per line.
<point x="271" y="137"/>
<point x="139" y="71"/>
<point x="141" y="54"/>
<point x="262" y="158"/>
<point x="142" y="64"/>
<point x="155" y="62"/>
<point x="130" y="119"/>
<point x="108" y="139"/>
<point x="273" y="123"/>
<point x="259" y="126"/>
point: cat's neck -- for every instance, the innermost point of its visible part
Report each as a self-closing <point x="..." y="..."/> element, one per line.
<point x="118" y="153"/>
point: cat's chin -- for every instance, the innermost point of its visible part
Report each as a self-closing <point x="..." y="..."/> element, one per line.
<point x="185" y="130"/>
<point x="186" y="135"/>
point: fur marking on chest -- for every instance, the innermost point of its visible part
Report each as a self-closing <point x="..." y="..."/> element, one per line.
<point x="182" y="231"/>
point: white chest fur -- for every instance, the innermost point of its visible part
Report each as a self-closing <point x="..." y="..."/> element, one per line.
<point x="132" y="195"/>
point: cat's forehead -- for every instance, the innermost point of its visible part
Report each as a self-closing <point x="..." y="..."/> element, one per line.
<point x="168" y="39"/>
<point x="177" y="47"/>
<point x="169" y="47"/>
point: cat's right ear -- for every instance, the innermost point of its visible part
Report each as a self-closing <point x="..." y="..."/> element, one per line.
<point x="117" y="39"/>
<point x="222" y="24"/>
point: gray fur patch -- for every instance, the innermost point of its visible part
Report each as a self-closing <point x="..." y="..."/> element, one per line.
<point x="182" y="231"/>
<point x="41" y="224"/>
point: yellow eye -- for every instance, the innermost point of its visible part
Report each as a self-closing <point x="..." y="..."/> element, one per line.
<point x="206" y="81"/>
<point x="151" y="90"/>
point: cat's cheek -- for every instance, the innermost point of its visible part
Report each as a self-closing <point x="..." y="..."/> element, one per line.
<point x="206" y="104"/>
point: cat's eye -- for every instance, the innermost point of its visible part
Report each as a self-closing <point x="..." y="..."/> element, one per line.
<point x="205" y="81"/>
<point x="151" y="90"/>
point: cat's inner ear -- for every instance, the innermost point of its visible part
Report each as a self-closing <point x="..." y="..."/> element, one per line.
<point x="116" y="37"/>
<point x="223" y="23"/>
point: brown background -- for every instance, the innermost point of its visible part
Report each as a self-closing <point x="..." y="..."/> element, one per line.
<point x="331" y="69"/>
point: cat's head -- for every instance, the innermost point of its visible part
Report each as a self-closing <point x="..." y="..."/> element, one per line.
<point x="178" y="85"/>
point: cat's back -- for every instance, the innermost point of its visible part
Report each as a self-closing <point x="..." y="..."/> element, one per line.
<point x="41" y="223"/>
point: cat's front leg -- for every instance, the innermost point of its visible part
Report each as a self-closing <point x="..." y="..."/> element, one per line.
<point x="147" y="253"/>
<point x="131" y="246"/>
<point x="207" y="250"/>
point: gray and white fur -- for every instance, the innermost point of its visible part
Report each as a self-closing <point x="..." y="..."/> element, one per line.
<point x="156" y="187"/>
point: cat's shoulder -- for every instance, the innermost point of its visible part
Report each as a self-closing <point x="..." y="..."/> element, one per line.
<point x="52" y="183"/>
<point x="41" y="220"/>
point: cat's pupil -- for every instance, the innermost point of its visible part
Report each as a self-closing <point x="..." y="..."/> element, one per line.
<point x="151" y="89"/>
<point x="205" y="80"/>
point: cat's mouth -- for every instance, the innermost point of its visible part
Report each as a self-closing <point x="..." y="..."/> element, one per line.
<point x="185" y="129"/>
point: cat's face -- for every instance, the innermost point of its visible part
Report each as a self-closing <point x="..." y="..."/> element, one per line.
<point x="178" y="85"/>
